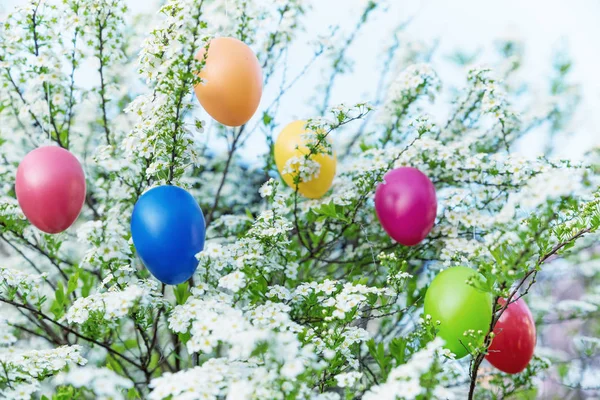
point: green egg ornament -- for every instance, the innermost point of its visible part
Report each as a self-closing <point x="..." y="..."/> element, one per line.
<point x="459" y="307"/>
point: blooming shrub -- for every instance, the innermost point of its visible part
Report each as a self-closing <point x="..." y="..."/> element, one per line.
<point x="293" y="298"/>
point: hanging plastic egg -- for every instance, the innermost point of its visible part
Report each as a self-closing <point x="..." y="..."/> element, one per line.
<point x="460" y="308"/>
<point x="50" y="187"/>
<point x="231" y="85"/>
<point x="406" y="205"/>
<point x="168" y="230"/>
<point x="514" y="338"/>
<point x="291" y="144"/>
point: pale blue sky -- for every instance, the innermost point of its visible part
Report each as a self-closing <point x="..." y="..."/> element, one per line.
<point x="465" y="24"/>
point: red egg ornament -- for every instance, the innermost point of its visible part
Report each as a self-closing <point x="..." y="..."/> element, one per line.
<point x="406" y="205"/>
<point x="514" y="338"/>
<point x="50" y="188"/>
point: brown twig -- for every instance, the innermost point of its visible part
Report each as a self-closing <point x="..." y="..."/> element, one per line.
<point x="74" y="332"/>
<point x="488" y="338"/>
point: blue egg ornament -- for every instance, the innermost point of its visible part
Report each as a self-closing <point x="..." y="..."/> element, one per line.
<point x="168" y="230"/>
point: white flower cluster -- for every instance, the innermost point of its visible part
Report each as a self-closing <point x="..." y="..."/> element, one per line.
<point x="552" y="184"/>
<point x="219" y="378"/>
<point x="105" y="241"/>
<point x="168" y="45"/>
<point x="9" y="207"/>
<point x="101" y="23"/>
<point x="161" y="144"/>
<point x="230" y="266"/>
<point x="213" y="320"/>
<point x="273" y="316"/>
<point x="336" y="300"/>
<point x="306" y="168"/>
<point x="319" y="143"/>
<point x="233" y="281"/>
<point x="6" y="337"/>
<point x="216" y="326"/>
<point x="423" y="124"/>
<point x="111" y="305"/>
<point x="332" y="342"/>
<point x="417" y="77"/>
<point x="348" y="379"/>
<point x="253" y="20"/>
<point x="233" y="223"/>
<point x="36" y="362"/>
<point x="209" y="381"/>
<point x="103" y="382"/>
<point x="23" y="370"/>
<point x="484" y="95"/>
<point x="494" y="101"/>
<point x="404" y="381"/>
<point x="587" y="345"/>
<point x="580" y="375"/>
<point x="338" y="296"/>
<point x="415" y="81"/>
<point x="28" y="285"/>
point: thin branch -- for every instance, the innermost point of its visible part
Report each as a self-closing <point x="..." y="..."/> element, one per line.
<point x="487" y="341"/>
<point x="101" y="27"/>
<point x="232" y="149"/>
<point x="74" y="332"/>
<point x="15" y="248"/>
<point x="337" y="69"/>
<point x="184" y="90"/>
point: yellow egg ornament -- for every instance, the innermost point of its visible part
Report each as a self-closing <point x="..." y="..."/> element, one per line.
<point x="291" y="143"/>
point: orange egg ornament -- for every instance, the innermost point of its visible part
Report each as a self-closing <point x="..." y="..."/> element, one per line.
<point x="231" y="85"/>
<point x="290" y="143"/>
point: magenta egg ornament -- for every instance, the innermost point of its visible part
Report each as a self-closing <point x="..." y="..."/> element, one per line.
<point x="406" y="205"/>
<point x="50" y="188"/>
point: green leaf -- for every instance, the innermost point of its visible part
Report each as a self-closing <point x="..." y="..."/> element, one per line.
<point x="332" y="211"/>
<point x="133" y="394"/>
<point x="377" y="351"/>
<point x="530" y="394"/>
<point x="398" y="350"/>
<point x="59" y="293"/>
<point x="73" y="282"/>
<point x="88" y="283"/>
<point x="60" y="299"/>
<point x="267" y="119"/>
<point x="181" y="292"/>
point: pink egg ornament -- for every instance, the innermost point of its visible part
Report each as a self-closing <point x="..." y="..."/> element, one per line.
<point x="406" y="205"/>
<point x="50" y="188"/>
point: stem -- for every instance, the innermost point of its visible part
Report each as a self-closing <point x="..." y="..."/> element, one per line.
<point x="71" y="105"/>
<point x="184" y="90"/>
<point x="29" y="261"/>
<point x="53" y="259"/>
<point x="34" y="31"/>
<point x="34" y="25"/>
<point x="337" y="62"/>
<point x="236" y="138"/>
<point x="74" y="332"/>
<point x="33" y="116"/>
<point x="101" y="27"/>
